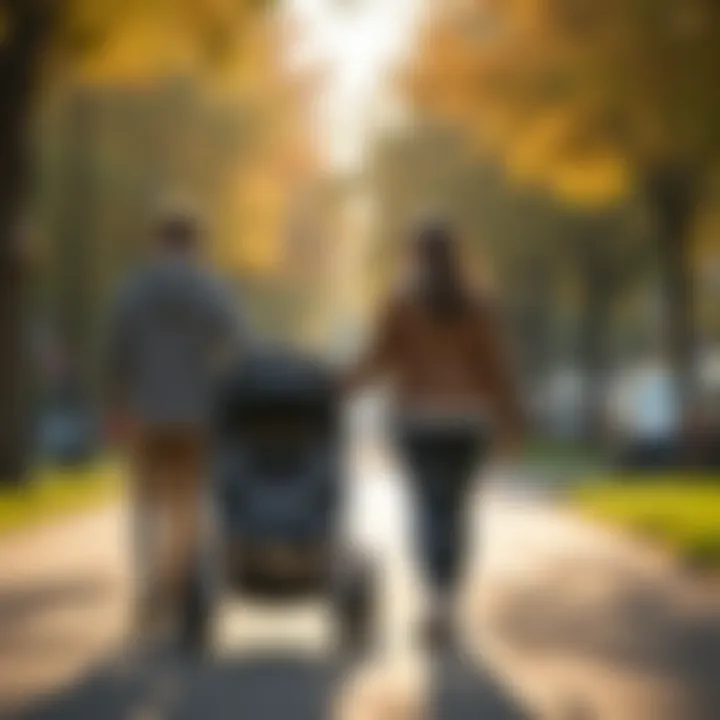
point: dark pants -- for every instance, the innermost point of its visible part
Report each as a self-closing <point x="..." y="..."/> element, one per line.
<point x="441" y="463"/>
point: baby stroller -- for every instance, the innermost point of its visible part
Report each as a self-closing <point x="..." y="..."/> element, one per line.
<point x="278" y="492"/>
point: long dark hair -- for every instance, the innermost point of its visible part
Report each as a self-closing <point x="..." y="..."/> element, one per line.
<point x="440" y="280"/>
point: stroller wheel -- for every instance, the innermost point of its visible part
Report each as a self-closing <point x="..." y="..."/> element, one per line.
<point x="196" y="619"/>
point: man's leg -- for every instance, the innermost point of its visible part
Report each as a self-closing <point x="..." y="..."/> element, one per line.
<point x="184" y="496"/>
<point x="146" y="513"/>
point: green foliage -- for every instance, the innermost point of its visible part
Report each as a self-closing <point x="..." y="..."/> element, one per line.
<point x="106" y="157"/>
<point x="56" y="494"/>
<point x="109" y="152"/>
<point x="563" y="458"/>
<point x="678" y="511"/>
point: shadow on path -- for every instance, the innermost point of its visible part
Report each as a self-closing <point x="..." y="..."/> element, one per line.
<point x="182" y="688"/>
<point x="20" y="604"/>
<point x="465" y="692"/>
<point x="260" y="687"/>
<point x="588" y="609"/>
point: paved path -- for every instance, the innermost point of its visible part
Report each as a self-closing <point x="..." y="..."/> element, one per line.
<point x="588" y="624"/>
<point x="63" y="600"/>
<point x="575" y="622"/>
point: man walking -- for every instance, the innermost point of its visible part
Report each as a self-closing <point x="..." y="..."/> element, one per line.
<point x="173" y="329"/>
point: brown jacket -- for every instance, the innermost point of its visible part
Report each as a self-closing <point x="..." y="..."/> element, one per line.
<point x="458" y="364"/>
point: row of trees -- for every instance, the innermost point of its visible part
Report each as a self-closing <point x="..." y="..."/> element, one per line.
<point x="576" y="283"/>
<point x="42" y="44"/>
<point x="600" y="106"/>
<point x="106" y="107"/>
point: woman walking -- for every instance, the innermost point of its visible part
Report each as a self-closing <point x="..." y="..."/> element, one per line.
<point x="439" y="348"/>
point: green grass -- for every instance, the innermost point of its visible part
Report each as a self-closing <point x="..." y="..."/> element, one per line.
<point x="563" y="458"/>
<point x="55" y="494"/>
<point x="681" y="513"/>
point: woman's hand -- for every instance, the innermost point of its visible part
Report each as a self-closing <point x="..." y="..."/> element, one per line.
<point x="118" y="427"/>
<point x="509" y="447"/>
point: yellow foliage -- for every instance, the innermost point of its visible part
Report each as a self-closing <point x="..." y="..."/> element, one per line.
<point x="135" y="54"/>
<point x="278" y="155"/>
<point x="260" y="252"/>
<point x="531" y="153"/>
<point x="707" y="246"/>
<point x="560" y="89"/>
<point x="256" y="207"/>
<point x="137" y="40"/>
<point x="591" y="180"/>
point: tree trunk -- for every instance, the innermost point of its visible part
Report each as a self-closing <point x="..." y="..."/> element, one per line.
<point x="593" y="355"/>
<point x="596" y="272"/>
<point x="76" y="267"/>
<point x="20" y="54"/>
<point x="672" y="195"/>
<point x="534" y="317"/>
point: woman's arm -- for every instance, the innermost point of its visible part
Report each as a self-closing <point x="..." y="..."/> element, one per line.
<point x="378" y="358"/>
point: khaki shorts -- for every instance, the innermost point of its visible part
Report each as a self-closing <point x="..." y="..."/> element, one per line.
<point x="169" y="477"/>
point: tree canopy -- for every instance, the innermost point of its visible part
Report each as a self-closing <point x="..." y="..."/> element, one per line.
<point x="135" y="39"/>
<point x="580" y="96"/>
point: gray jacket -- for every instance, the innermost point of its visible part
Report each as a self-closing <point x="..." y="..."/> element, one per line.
<point x="172" y="327"/>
